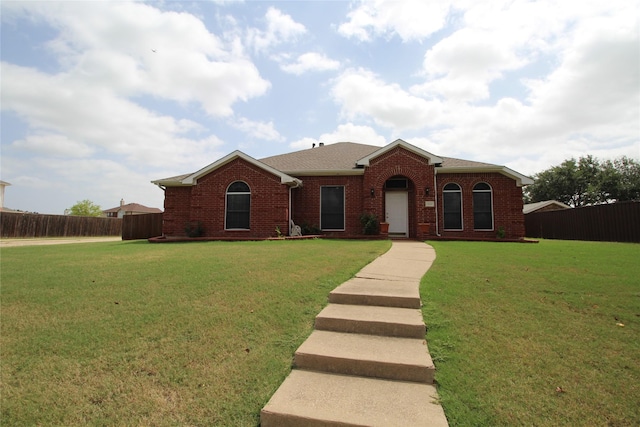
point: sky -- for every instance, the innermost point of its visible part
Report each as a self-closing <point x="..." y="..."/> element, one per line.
<point x="100" y="98"/>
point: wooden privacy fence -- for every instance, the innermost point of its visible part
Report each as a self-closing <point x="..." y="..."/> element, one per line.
<point x="141" y="226"/>
<point x="617" y="222"/>
<point x="24" y="225"/>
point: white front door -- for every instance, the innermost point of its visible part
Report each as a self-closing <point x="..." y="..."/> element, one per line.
<point x="397" y="212"/>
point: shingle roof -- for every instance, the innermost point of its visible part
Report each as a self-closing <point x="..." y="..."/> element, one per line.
<point x="341" y="158"/>
<point x="450" y="162"/>
<point x="532" y="207"/>
<point x="333" y="157"/>
<point x="134" y="207"/>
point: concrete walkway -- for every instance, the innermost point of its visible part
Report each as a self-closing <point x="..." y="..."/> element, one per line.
<point x="37" y="241"/>
<point x="367" y="362"/>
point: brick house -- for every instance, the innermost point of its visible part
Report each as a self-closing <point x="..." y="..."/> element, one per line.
<point x="129" y="209"/>
<point x="328" y="188"/>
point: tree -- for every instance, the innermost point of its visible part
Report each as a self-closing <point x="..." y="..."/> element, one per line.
<point x="621" y="179"/>
<point x="85" y="208"/>
<point x="587" y="182"/>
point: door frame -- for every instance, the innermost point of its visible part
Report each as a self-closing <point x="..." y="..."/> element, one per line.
<point x="403" y="205"/>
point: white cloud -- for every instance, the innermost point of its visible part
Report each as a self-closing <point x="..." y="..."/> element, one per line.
<point x="361" y="93"/>
<point x="310" y="61"/>
<point x="260" y="130"/>
<point x="409" y="19"/>
<point x="597" y="85"/>
<point x="585" y="103"/>
<point x="303" y="144"/>
<point x="347" y="132"/>
<point x="99" y="119"/>
<point x="464" y="64"/>
<point x="56" y="145"/>
<point x="281" y="28"/>
<point x="162" y="54"/>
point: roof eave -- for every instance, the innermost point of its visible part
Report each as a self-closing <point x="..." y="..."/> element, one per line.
<point x="327" y="172"/>
<point x="168" y="183"/>
<point x="521" y="180"/>
<point x="192" y="179"/>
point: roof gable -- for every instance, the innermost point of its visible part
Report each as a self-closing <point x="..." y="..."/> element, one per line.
<point x="399" y="143"/>
<point x="192" y="179"/>
<point x="134" y="207"/>
<point x="532" y="207"/>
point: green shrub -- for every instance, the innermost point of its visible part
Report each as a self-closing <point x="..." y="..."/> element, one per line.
<point x="370" y="223"/>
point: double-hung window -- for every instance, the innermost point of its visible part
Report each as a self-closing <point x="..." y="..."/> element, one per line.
<point x="452" y="200"/>
<point x="332" y="207"/>
<point x="482" y="207"/>
<point x="238" y="206"/>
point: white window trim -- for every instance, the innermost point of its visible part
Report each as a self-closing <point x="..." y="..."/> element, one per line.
<point x="490" y="191"/>
<point x="226" y="193"/>
<point x="344" y="208"/>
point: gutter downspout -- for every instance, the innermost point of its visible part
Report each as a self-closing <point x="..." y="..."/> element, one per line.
<point x="435" y="189"/>
<point x="291" y="187"/>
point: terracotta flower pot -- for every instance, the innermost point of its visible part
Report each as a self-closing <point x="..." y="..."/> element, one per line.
<point x="424" y="227"/>
<point x="384" y="228"/>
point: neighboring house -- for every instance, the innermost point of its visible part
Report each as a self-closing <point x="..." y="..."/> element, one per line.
<point x="129" y="209"/>
<point x="547" y="205"/>
<point x="2" y="185"/>
<point x="329" y="187"/>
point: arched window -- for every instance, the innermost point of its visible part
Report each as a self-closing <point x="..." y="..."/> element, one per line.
<point x="482" y="207"/>
<point x="452" y="200"/>
<point x="238" y="206"/>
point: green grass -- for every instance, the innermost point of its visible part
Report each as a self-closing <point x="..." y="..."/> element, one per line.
<point x="131" y="333"/>
<point x="509" y="323"/>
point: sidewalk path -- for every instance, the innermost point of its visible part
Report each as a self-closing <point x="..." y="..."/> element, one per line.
<point x="6" y="243"/>
<point x="367" y="362"/>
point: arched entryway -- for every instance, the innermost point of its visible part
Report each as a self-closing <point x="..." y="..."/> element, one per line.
<point x="396" y="205"/>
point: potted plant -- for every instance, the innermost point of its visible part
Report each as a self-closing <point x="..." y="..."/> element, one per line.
<point x="424" y="227"/>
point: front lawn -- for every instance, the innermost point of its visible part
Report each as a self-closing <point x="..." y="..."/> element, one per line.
<point x="543" y="334"/>
<point x="131" y="333"/>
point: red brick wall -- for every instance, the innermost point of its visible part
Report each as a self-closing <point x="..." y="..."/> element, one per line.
<point x="402" y="163"/>
<point x="306" y="202"/>
<point x="507" y="205"/>
<point x="177" y="203"/>
<point x="396" y="162"/>
<point x="205" y="202"/>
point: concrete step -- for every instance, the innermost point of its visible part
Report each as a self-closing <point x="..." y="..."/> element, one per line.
<point x="314" y="399"/>
<point x="362" y="291"/>
<point x="405" y="359"/>
<point x="372" y="320"/>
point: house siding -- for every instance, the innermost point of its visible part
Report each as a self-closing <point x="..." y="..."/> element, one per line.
<point x="507" y="205"/>
<point x="205" y="201"/>
<point x="306" y="203"/>
<point x="399" y="162"/>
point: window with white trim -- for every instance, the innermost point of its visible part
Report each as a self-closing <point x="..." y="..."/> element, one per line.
<point x="452" y="206"/>
<point x="482" y="207"/>
<point x="332" y="207"/>
<point x="238" y="206"/>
